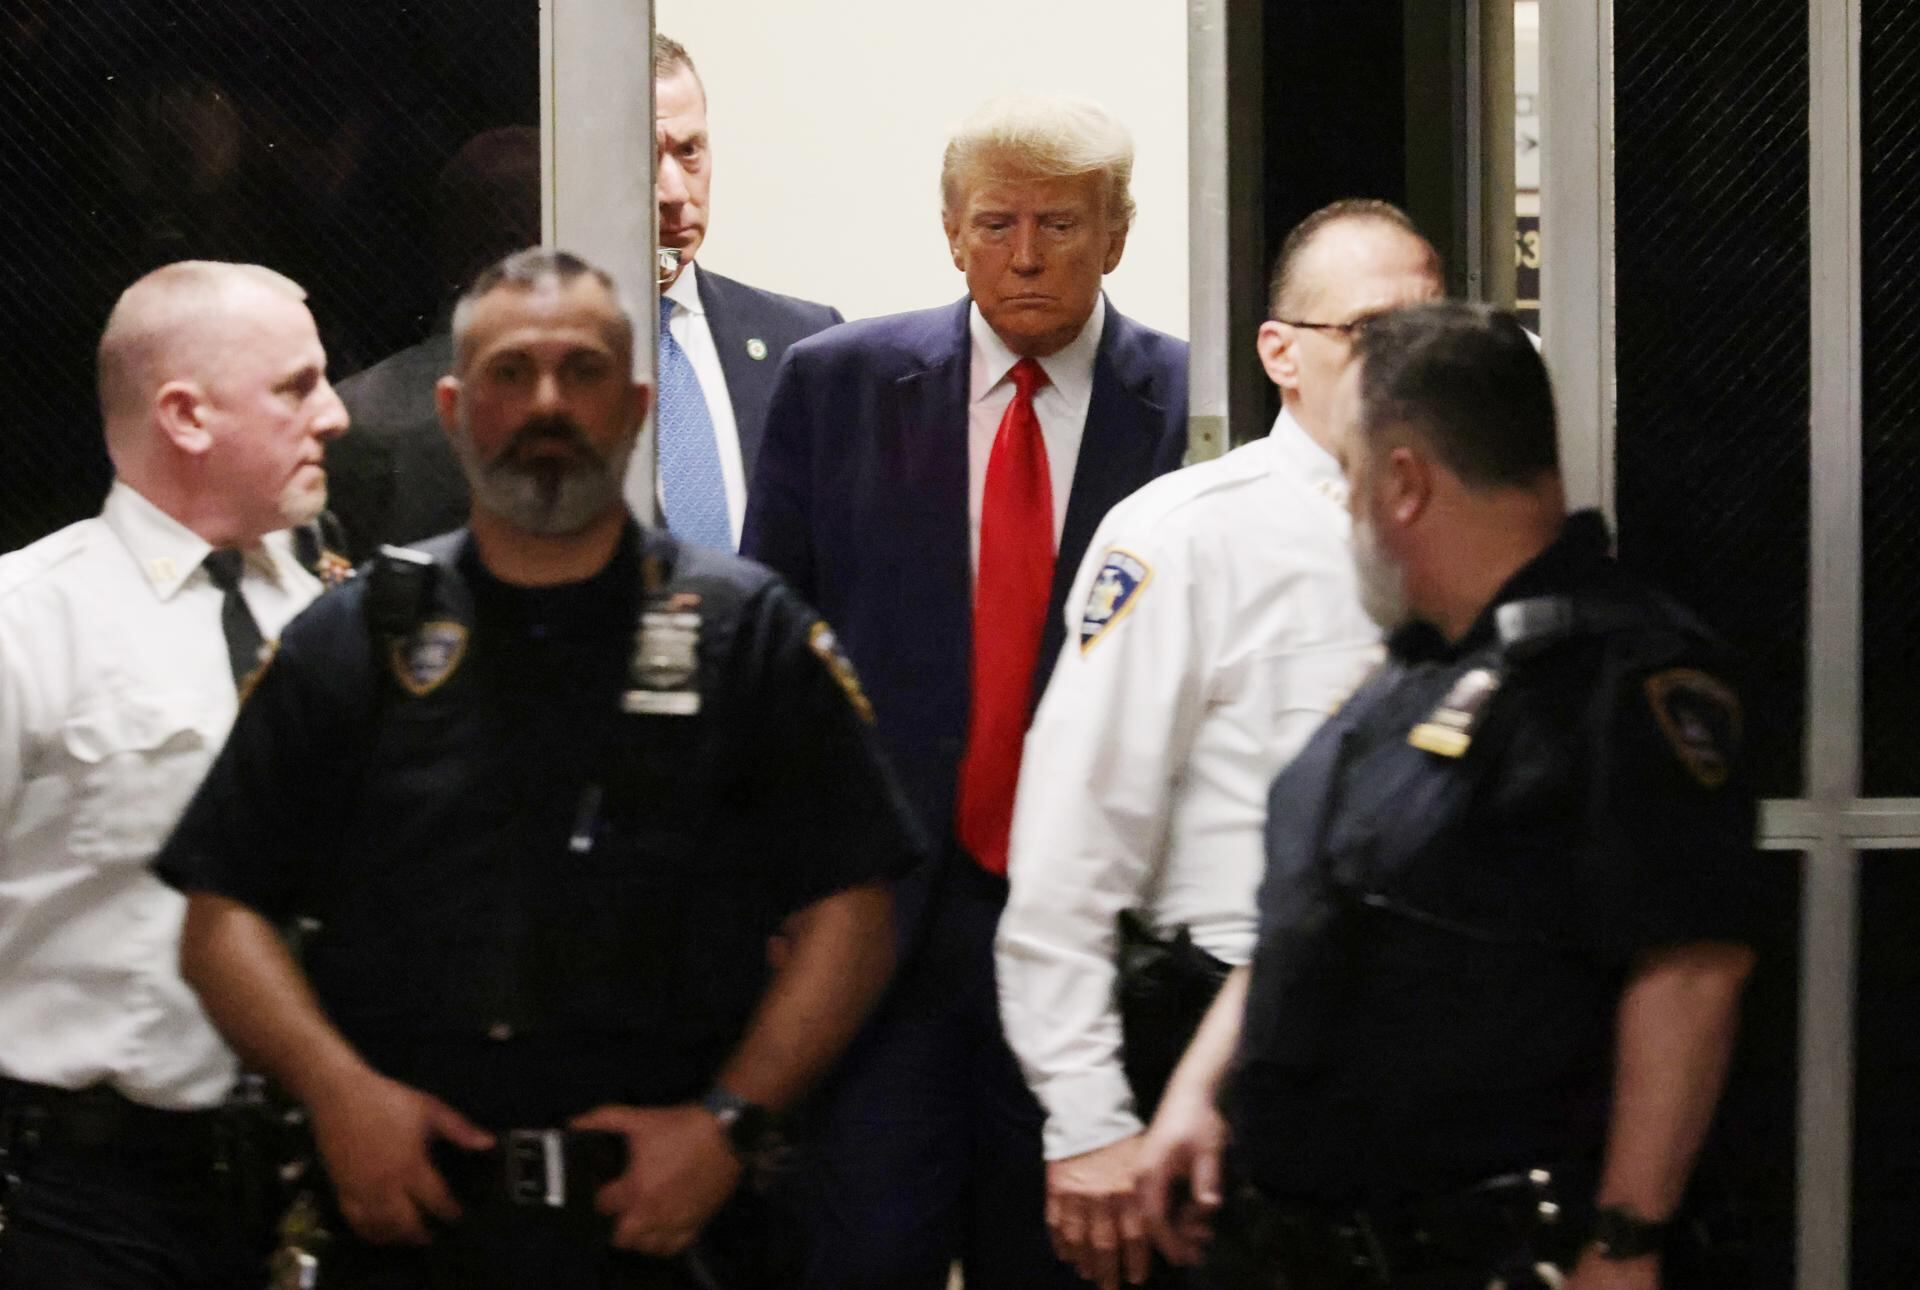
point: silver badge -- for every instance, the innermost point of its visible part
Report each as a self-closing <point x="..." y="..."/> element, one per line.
<point x="756" y="349"/>
<point x="665" y="665"/>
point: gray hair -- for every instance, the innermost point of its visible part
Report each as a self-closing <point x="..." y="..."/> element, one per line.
<point x="154" y="321"/>
<point x="535" y="267"/>
<point x="1045" y="137"/>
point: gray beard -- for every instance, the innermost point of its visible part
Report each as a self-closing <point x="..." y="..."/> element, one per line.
<point x="551" y="497"/>
<point x="1383" y="589"/>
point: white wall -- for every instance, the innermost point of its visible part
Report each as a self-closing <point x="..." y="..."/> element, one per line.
<point x="829" y="117"/>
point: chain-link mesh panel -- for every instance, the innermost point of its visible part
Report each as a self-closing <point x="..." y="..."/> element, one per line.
<point x="306" y="135"/>
<point x="1712" y="300"/>
<point x="1890" y="376"/>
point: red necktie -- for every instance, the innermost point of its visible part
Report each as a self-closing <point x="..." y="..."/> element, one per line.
<point x="1009" y="614"/>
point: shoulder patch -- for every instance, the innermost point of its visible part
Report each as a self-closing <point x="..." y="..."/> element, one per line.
<point x="824" y="644"/>
<point x="424" y="660"/>
<point x="1122" y="577"/>
<point x="1700" y="716"/>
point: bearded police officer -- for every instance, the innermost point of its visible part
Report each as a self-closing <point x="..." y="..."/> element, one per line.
<point x="1502" y="935"/>
<point x="549" y="786"/>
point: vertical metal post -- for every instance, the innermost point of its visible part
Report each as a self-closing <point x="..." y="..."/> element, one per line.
<point x="1830" y="919"/>
<point x="1470" y="111"/>
<point x="597" y="118"/>
<point x="1208" y="219"/>
<point x="1494" y="229"/>
<point x="1227" y="270"/>
<point x="1576" y="236"/>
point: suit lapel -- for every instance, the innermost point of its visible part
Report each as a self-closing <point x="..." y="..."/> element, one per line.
<point x="749" y="382"/>
<point x="924" y="446"/>
<point x="1116" y="457"/>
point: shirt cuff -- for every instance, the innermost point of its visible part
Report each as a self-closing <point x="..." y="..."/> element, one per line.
<point x="1086" y="1111"/>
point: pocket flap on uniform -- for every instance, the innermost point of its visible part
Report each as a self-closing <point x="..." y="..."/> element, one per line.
<point x="148" y="724"/>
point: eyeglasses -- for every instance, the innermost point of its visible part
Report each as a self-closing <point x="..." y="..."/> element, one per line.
<point x="1351" y="330"/>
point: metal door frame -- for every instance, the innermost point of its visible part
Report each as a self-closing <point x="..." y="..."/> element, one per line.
<point x="596" y="155"/>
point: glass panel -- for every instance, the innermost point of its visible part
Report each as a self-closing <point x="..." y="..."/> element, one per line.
<point x="306" y="135"/>
<point x="1890" y="379"/>
<point x="1712" y="285"/>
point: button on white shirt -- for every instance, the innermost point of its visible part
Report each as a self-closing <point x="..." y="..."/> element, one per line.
<point x="115" y="695"/>
<point x="1060" y="405"/>
<point x="1145" y="775"/>
<point x="688" y="324"/>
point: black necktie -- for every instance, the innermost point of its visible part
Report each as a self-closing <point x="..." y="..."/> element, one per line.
<point x="244" y="640"/>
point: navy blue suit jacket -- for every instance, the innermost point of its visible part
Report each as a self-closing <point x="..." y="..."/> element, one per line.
<point x="739" y="315"/>
<point x="393" y="476"/>
<point x="860" y="501"/>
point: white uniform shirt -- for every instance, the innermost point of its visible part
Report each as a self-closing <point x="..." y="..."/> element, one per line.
<point x="688" y="323"/>
<point x="1214" y="624"/>
<point x="115" y="694"/>
<point x="1060" y="405"/>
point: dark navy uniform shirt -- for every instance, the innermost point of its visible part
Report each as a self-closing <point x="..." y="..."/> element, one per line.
<point x="1446" y="929"/>
<point x="548" y="832"/>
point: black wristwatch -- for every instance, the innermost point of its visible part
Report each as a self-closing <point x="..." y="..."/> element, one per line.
<point x="1620" y="1234"/>
<point x="748" y="1125"/>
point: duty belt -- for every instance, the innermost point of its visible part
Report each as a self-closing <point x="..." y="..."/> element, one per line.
<point x="98" y="1117"/>
<point x="1509" y="1233"/>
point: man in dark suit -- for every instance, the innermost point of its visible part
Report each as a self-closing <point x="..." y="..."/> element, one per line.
<point x="394" y="477"/>
<point x="721" y="341"/>
<point x="397" y="481"/>
<point x="929" y="481"/>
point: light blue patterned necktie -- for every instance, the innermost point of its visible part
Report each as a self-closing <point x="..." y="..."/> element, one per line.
<point x="690" y="480"/>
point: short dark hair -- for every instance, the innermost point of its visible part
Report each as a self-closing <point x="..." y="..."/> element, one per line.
<point x="1466" y="379"/>
<point x="1286" y="265"/>
<point x="669" y="56"/>
<point x="526" y="270"/>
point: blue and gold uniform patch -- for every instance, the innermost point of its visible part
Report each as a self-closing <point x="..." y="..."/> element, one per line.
<point x="1700" y="716"/>
<point x="424" y="660"/>
<point x="1119" y="583"/>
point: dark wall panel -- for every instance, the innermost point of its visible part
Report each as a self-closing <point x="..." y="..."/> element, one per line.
<point x="1712" y="293"/>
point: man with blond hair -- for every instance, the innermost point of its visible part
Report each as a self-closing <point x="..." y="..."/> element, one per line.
<point x="930" y="482"/>
<point x="123" y="641"/>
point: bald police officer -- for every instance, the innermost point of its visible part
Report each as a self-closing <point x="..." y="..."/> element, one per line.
<point x="122" y="639"/>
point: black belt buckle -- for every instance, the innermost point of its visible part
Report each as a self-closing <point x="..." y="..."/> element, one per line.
<point x="536" y="1161"/>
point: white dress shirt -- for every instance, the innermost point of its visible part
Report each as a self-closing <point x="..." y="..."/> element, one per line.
<point x="688" y="324"/>
<point x="1144" y="780"/>
<point x="115" y="694"/>
<point x="1060" y="405"/>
